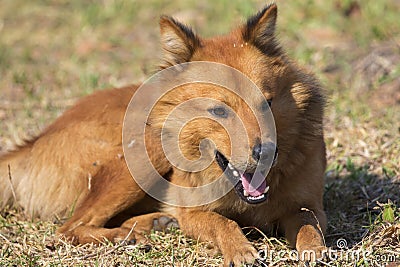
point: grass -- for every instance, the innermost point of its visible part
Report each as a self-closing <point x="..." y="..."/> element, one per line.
<point x="53" y="52"/>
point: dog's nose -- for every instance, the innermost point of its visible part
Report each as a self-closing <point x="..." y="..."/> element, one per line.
<point x="263" y="151"/>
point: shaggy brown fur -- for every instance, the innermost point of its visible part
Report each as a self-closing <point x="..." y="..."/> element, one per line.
<point x="78" y="160"/>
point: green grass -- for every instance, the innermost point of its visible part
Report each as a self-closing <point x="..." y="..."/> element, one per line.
<point x="53" y="52"/>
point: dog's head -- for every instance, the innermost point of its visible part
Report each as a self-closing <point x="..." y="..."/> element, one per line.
<point x="210" y="129"/>
<point x="228" y="129"/>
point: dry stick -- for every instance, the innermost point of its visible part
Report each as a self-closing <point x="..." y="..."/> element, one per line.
<point x="114" y="248"/>
<point x="322" y="234"/>
<point x="318" y="225"/>
<point x="8" y="241"/>
<point x="259" y="261"/>
<point x="11" y="184"/>
<point x="259" y="231"/>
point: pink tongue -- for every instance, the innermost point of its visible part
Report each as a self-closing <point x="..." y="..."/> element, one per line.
<point x="255" y="185"/>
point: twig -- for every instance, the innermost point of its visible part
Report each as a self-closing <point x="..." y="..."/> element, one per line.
<point x="8" y="241"/>
<point x="114" y="248"/>
<point x="318" y="225"/>
<point x="11" y="184"/>
<point x="263" y="234"/>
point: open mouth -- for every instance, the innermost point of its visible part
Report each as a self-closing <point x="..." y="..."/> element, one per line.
<point x="242" y="180"/>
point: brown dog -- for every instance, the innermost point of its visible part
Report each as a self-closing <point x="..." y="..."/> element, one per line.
<point x="77" y="163"/>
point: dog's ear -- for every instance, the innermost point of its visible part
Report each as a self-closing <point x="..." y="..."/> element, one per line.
<point x="259" y="29"/>
<point x="178" y="42"/>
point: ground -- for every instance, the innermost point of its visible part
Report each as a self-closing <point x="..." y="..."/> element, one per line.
<point x="53" y="52"/>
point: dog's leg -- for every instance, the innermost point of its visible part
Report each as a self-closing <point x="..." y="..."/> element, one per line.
<point x="131" y="230"/>
<point x="107" y="198"/>
<point x="111" y="193"/>
<point x="157" y="221"/>
<point x="304" y="230"/>
<point x="225" y="233"/>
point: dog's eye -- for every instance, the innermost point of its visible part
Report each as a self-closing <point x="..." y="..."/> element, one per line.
<point x="219" y="112"/>
<point x="267" y="104"/>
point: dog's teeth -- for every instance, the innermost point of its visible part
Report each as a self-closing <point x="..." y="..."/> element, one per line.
<point x="256" y="198"/>
<point x="230" y="166"/>
<point x="235" y="173"/>
<point x="245" y="193"/>
<point x="266" y="189"/>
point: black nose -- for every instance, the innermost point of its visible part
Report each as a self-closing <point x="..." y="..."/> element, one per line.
<point x="263" y="151"/>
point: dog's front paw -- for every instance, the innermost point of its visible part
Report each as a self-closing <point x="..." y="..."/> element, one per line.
<point x="239" y="254"/>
